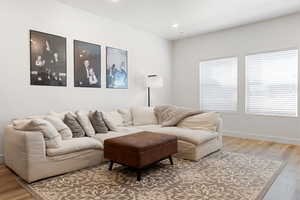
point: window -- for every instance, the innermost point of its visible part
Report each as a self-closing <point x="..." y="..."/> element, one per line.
<point x="272" y="83"/>
<point x="218" y="85"/>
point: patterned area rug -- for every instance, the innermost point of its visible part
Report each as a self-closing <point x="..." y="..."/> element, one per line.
<point x="220" y="176"/>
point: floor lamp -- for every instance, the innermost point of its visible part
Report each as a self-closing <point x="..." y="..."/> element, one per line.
<point x="153" y="81"/>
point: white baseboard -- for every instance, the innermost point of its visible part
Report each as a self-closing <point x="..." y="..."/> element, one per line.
<point x="1" y="159"/>
<point x="283" y="140"/>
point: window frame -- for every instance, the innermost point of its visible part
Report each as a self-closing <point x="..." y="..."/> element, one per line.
<point x="236" y="111"/>
<point x="246" y="84"/>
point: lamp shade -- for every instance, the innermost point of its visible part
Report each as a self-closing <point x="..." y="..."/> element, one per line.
<point x="154" y="81"/>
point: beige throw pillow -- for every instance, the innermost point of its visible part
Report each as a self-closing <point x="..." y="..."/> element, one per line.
<point x="127" y="117"/>
<point x="113" y="120"/>
<point x="85" y="123"/>
<point x="60" y="126"/>
<point x="143" y="116"/>
<point x="51" y="136"/>
<point x="206" y="121"/>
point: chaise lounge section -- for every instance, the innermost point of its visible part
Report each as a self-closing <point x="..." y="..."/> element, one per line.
<point x="26" y="152"/>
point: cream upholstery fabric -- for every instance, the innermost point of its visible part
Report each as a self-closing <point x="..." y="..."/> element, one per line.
<point x="112" y="119"/>
<point x="193" y="152"/>
<point x="75" y="145"/>
<point x="85" y="123"/>
<point x="196" y="137"/>
<point x="206" y="121"/>
<point x="25" y="154"/>
<point x="169" y="115"/>
<point x="20" y="123"/>
<point x="143" y="116"/>
<point x="127" y="117"/>
<point x="60" y="126"/>
<point x="51" y="136"/>
<point x="113" y="134"/>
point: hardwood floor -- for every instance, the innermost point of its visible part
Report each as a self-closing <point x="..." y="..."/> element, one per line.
<point x="286" y="187"/>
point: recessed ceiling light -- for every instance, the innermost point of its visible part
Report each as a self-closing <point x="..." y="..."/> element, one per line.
<point x="175" y="25"/>
<point x="115" y="1"/>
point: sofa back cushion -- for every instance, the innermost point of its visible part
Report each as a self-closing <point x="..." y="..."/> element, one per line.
<point x="71" y="121"/>
<point x="98" y="122"/>
<point x="126" y="115"/>
<point x="60" y="126"/>
<point x="143" y="116"/>
<point x="51" y="136"/>
<point x="83" y="118"/>
<point x="113" y="120"/>
<point x="206" y="121"/>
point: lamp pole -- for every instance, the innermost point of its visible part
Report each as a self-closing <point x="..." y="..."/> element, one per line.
<point x="149" y="97"/>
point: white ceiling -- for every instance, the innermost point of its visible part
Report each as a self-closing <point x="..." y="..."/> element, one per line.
<point x="193" y="16"/>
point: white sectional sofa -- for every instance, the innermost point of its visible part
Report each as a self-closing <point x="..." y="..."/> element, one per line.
<point x="25" y="152"/>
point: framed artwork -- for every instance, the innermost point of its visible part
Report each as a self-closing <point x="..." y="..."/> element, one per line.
<point x="87" y="64"/>
<point x="116" y="68"/>
<point x="48" y="65"/>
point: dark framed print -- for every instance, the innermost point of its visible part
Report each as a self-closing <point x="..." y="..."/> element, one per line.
<point x="87" y="64"/>
<point x="48" y="65"/>
<point x="116" y="68"/>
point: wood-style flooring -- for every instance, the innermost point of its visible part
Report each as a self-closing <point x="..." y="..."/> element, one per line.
<point x="286" y="187"/>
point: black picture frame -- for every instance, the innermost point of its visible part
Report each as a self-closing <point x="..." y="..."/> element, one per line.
<point x="116" y="68"/>
<point x="48" y="59"/>
<point x="87" y="64"/>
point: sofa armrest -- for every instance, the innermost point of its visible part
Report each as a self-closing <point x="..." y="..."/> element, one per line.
<point x="219" y="125"/>
<point x="23" y="149"/>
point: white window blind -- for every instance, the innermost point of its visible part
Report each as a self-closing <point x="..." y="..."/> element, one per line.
<point x="272" y="83"/>
<point x="218" y="85"/>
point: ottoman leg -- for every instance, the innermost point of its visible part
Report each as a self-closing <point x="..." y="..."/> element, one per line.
<point x="171" y="160"/>
<point x="111" y="165"/>
<point x="138" y="177"/>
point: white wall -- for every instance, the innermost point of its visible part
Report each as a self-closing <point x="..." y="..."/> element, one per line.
<point x="147" y="54"/>
<point x="277" y="34"/>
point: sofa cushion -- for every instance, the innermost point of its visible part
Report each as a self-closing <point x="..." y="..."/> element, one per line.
<point x="112" y="119"/>
<point x="85" y="123"/>
<point x="127" y="116"/>
<point x="75" y="145"/>
<point x="193" y="136"/>
<point x="71" y="121"/>
<point x="113" y="134"/>
<point x="143" y="116"/>
<point x="50" y="134"/>
<point x="60" y="126"/>
<point x="147" y="127"/>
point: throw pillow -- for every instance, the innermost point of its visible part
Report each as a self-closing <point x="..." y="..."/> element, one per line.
<point x="113" y="120"/>
<point x="20" y="122"/>
<point x="60" y="126"/>
<point x="51" y="136"/>
<point x="98" y="122"/>
<point x="143" y="116"/>
<point x="71" y="121"/>
<point x="127" y="117"/>
<point x="85" y="123"/>
<point x="206" y="121"/>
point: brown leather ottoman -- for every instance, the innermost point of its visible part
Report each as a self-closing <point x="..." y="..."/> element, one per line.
<point x="140" y="150"/>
